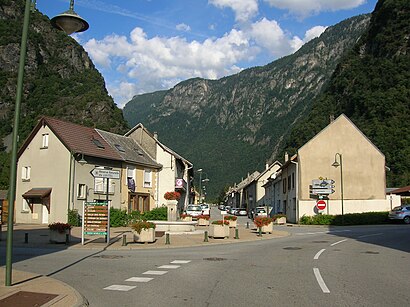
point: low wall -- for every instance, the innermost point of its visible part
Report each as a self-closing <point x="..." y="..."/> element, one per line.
<point x="174" y="226"/>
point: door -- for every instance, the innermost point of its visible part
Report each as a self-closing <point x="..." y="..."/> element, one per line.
<point x="44" y="215"/>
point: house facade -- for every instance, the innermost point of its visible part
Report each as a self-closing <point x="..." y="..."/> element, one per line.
<point x="54" y="172"/>
<point x="176" y="171"/>
<point x="360" y="171"/>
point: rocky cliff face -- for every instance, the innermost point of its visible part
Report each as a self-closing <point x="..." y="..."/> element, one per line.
<point x="232" y="125"/>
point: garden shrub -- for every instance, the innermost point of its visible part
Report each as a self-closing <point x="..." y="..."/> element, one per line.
<point x="157" y="214"/>
<point x="118" y="217"/>
<point x="74" y="218"/>
<point x="366" y="218"/>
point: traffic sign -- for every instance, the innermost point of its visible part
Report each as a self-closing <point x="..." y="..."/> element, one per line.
<point x="321" y="191"/>
<point x="105" y="173"/>
<point x="321" y="204"/>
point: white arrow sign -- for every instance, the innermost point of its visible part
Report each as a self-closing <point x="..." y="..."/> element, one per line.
<point x="105" y="173"/>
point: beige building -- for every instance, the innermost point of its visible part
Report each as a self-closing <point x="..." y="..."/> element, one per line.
<point x="359" y="162"/>
<point x="176" y="172"/>
<point x="55" y="165"/>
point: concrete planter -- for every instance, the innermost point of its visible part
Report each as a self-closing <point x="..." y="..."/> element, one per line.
<point x="232" y="224"/>
<point x="58" y="237"/>
<point x="268" y="228"/>
<point x="280" y="220"/>
<point x="186" y="219"/>
<point x="146" y="235"/>
<point x="203" y="222"/>
<point x="219" y="231"/>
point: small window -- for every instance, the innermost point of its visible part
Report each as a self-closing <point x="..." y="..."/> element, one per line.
<point x="25" y="207"/>
<point x="284" y="185"/>
<point x="100" y="186"/>
<point x="289" y="183"/>
<point x="81" y="191"/>
<point x="119" y="147"/>
<point x="44" y="143"/>
<point x="25" y="173"/>
<point x="98" y="143"/>
<point x="147" y="178"/>
<point x="293" y="181"/>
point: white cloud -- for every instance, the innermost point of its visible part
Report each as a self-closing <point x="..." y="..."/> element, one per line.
<point x="244" y="9"/>
<point x="313" y="33"/>
<point x="122" y="92"/>
<point x="183" y="27"/>
<point x="304" y="8"/>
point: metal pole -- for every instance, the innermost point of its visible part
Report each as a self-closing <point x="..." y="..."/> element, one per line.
<point x="200" y="186"/>
<point x="13" y="164"/>
<point x="341" y="186"/>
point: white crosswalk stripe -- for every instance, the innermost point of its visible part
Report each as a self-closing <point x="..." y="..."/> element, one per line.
<point x="169" y="266"/>
<point x="155" y="272"/>
<point x="139" y="279"/>
<point x="119" y="288"/>
<point x="181" y="261"/>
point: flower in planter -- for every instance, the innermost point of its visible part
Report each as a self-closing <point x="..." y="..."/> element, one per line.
<point x="140" y="225"/>
<point x="262" y="221"/>
<point x="231" y="218"/>
<point x="220" y="222"/>
<point x="60" y="227"/>
<point x="172" y="195"/>
<point x="183" y="215"/>
<point x="205" y="217"/>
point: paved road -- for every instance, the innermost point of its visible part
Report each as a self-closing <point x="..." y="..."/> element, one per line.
<point x="344" y="266"/>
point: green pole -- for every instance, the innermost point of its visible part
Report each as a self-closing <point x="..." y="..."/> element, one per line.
<point x="13" y="165"/>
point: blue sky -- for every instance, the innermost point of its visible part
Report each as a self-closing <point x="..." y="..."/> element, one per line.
<point x="140" y="46"/>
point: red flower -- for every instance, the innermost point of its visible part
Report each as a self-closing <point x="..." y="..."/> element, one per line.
<point x="262" y="221"/>
<point x="60" y="227"/>
<point x="205" y="217"/>
<point x="231" y="217"/>
<point x="220" y="222"/>
<point x="172" y="195"/>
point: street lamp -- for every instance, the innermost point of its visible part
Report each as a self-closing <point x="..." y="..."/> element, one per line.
<point x="63" y="22"/>
<point x="336" y="165"/>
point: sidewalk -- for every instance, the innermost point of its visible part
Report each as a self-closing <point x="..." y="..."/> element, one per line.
<point x="29" y="288"/>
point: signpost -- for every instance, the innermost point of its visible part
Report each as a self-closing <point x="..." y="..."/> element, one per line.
<point x="322" y="187"/>
<point x="105" y="173"/>
<point x="321" y="204"/>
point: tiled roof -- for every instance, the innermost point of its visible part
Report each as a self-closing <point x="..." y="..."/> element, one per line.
<point x="128" y="149"/>
<point x="402" y="190"/>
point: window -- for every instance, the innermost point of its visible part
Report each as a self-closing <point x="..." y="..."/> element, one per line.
<point x="81" y="191"/>
<point x="130" y="173"/>
<point x="147" y="178"/>
<point x="25" y="173"/>
<point x="98" y="143"/>
<point x="284" y="185"/>
<point x="100" y="186"/>
<point x="45" y="140"/>
<point x="289" y="183"/>
<point x="25" y="207"/>
<point x="293" y="181"/>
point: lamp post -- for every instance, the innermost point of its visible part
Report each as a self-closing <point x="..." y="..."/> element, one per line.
<point x="336" y="165"/>
<point x="67" y="26"/>
<point x="204" y="181"/>
<point x="200" y="183"/>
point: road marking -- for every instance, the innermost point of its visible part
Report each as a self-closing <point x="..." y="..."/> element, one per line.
<point x="119" y="288"/>
<point x="321" y="232"/>
<point x="155" y="272"/>
<point x="169" y="266"/>
<point x="181" y="261"/>
<point x="139" y="279"/>
<point x="320" y="281"/>
<point x="372" y="235"/>
<point x="333" y="244"/>
<point x="318" y="254"/>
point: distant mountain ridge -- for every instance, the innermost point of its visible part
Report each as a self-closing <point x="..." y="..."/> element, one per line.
<point x="231" y="126"/>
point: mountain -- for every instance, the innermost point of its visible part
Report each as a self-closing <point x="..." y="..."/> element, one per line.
<point x="371" y="85"/>
<point x="60" y="80"/>
<point x="231" y="126"/>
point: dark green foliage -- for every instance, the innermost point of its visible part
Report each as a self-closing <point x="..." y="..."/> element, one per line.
<point x="372" y="87"/>
<point x="74" y="218"/>
<point x="157" y="214"/>
<point x="118" y="218"/>
<point x="367" y="218"/>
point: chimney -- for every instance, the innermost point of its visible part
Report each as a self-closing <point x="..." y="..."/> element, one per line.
<point x="331" y="118"/>
<point x="286" y="156"/>
<point x="266" y="165"/>
<point x="156" y="135"/>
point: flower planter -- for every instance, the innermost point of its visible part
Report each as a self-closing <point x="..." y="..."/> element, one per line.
<point x="219" y="231"/>
<point x="267" y="228"/>
<point x="58" y="237"/>
<point x="146" y="235"/>
<point x="232" y="224"/>
<point x="203" y="222"/>
<point x="186" y="219"/>
<point x="280" y="220"/>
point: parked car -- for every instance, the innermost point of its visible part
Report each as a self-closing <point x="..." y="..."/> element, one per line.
<point x="241" y="212"/>
<point x="206" y="210"/>
<point x="221" y="207"/>
<point x="232" y="211"/>
<point x="400" y="213"/>
<point x="227" y="208"/>
<point x="260" y="211"/>
<point x="193" y="210"/>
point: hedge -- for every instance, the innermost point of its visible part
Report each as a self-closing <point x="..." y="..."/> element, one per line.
<point x="366" y="218"/>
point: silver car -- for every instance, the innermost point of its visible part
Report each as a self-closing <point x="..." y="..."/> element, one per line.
<point x="193" y="210"/>
<point x="400" y="213"/>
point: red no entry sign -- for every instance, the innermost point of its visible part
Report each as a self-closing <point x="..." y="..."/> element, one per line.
<point x="321" y="204"/>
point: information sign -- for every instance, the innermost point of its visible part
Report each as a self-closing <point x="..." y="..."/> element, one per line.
<point x="96" y="220"/>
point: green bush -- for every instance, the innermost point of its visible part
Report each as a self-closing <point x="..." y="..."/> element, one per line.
<point x="118" y="217"/>
<point x="74" y="218"/>
<point x="366" y="218"/>
<point x="133" y="217"/>
<point x="157" y="214"/>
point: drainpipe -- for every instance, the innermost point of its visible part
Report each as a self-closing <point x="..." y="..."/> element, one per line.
<point x="187" y="185"/>
<point x="297" y="190"/>
<point x="69" y="182"/>
<point x="157" y="201"/>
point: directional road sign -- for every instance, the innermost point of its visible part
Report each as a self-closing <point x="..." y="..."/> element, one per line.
<point x="322" y="191"/>
<point x="105" y="173"/>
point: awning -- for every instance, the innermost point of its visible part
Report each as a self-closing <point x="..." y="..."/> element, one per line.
<point x="38" y="195"/>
